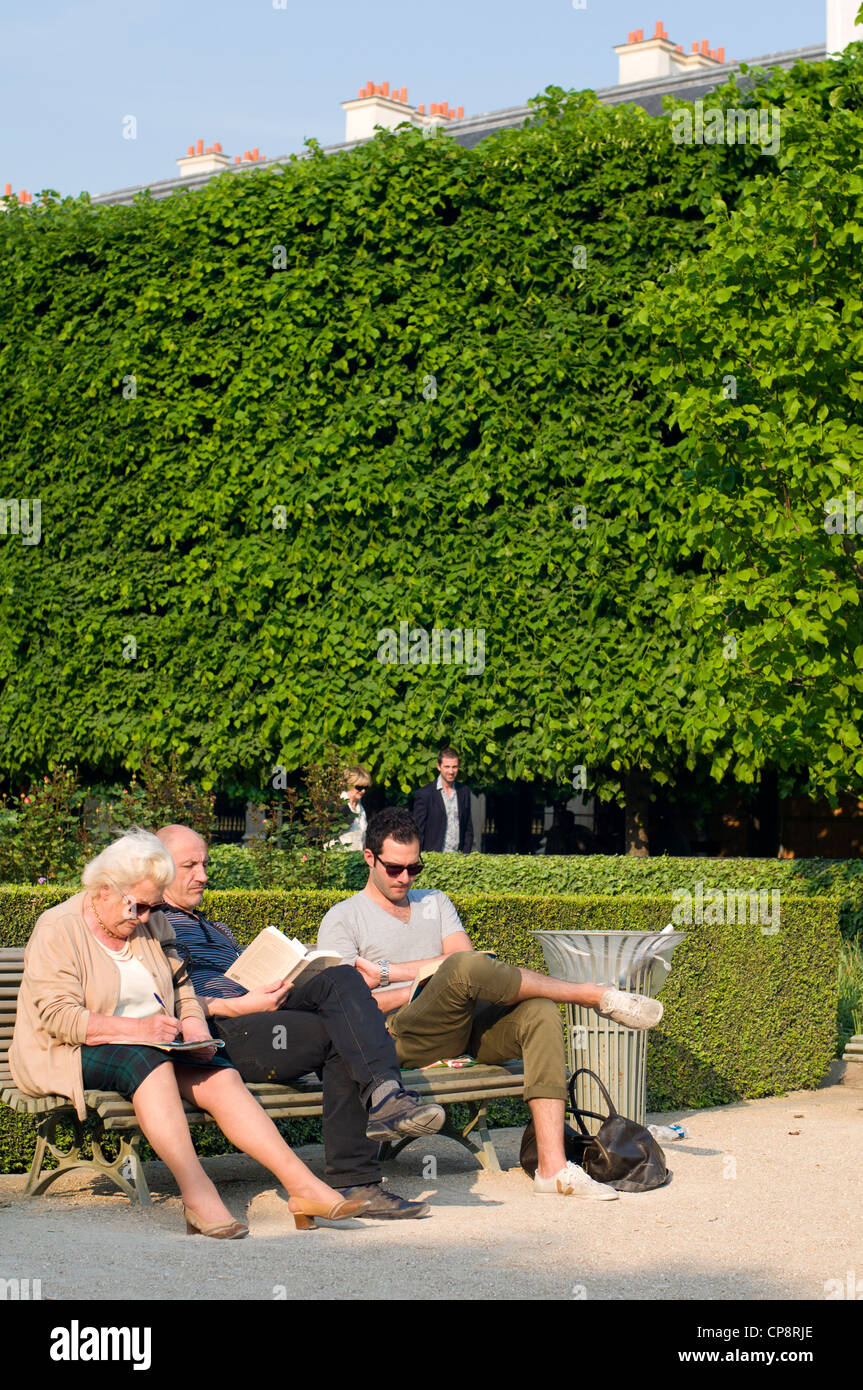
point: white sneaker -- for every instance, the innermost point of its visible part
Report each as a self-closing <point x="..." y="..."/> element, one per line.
<point x="632" y="1010"/>
<point x="572" y="1181"/>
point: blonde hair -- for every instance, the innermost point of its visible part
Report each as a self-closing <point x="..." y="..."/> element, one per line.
<point x="357" y="774"/>
<point x="136" y="855"/>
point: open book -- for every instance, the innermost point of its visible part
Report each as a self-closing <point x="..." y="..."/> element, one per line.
<point x="274" y="956"/>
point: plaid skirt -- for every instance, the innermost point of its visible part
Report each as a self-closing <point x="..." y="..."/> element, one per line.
<point x="123" y="1066"/>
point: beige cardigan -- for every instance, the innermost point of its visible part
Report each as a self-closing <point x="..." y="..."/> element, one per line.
<point x="68" y="975"/>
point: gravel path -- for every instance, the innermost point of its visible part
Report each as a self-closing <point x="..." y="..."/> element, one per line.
<point x="764" y="1203"/>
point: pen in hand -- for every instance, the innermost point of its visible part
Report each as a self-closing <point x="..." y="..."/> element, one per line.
<point x="158" y="1001"/>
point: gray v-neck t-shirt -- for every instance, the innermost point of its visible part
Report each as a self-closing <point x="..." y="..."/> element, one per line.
<point x="358" y="927"/>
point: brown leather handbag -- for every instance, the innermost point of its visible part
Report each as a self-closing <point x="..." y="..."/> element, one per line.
<point x="623" y="1153"/>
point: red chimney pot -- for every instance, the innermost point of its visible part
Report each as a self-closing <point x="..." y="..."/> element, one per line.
<point x="191" y="149"/>
<point x="461" y="113"/>
<point x="421" y="110"/>
<point x="630" y="38"/>
<point x="705" y="46"/>
<point x="639" y="35"/>
<point x="7" y="191"/>
<point x="236" y="159"/>
<point x="720" y="53"/>
<point x="255" y="152"/>
<point x="218" y="147"/>
<point x="403" y="95"/>
<point x="199" y="148"/>
<point x="385" y="89"/>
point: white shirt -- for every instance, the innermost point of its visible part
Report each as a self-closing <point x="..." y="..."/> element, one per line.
<point x="355" y="834"/>
<point x="137" y="997"/>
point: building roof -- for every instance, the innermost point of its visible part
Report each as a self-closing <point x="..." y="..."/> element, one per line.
<point x="472" y="129"/>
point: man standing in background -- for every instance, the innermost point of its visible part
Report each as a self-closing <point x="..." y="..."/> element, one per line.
<point x="441" y="809"/>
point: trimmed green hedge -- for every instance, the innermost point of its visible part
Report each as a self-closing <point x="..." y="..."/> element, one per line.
<point x="593" y="875"/>
<point x="747" y="1014"/>
<point x="273" y="388"/>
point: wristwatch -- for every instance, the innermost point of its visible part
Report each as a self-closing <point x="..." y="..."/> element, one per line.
<point x="385" y="974"/>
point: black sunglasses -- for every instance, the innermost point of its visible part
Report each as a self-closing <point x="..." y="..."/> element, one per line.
<point x="393" y="870"/>
<point x="140" y="907"/>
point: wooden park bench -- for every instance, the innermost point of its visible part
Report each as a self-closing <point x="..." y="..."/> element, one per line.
<point x="110" y="1113"/>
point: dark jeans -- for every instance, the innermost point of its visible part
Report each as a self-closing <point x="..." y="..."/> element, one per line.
<point x="330" y="1025"/>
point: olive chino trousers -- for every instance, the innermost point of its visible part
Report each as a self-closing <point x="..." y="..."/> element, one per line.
<point x="464" y="1008"/>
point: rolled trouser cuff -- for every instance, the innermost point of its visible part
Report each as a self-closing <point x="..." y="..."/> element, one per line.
<point x="545" y="1091"/>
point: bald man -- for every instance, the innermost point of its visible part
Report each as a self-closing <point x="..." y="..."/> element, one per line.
<point x="329" y="1024"/>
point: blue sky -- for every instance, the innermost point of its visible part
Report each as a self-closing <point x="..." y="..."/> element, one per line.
<point x="246" y="73"/>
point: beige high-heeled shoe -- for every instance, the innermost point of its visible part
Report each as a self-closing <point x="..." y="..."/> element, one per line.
<point x="304" y="1219"/>
<point x="234" y="1230"/>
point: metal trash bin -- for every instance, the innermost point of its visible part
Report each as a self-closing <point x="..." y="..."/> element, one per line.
<point x="637" y="962"/>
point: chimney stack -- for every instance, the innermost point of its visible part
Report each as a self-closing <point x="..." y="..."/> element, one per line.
<point x="197" y="160"/>
<point x="379" y="104"/>
<point x="644" y="60"/>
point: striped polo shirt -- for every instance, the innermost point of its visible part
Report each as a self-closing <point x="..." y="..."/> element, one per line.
<point x="210" y="948"/>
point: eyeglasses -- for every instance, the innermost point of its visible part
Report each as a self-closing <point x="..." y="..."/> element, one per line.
<point x="393" y="870"/>
<point x="359" y="789"/>
<point x="136" y="909"/>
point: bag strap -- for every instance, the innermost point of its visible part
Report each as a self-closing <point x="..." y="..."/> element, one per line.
<point x="577" y="1113"/>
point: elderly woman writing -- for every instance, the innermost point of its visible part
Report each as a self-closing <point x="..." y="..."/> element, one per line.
<point x="101" y="986"/>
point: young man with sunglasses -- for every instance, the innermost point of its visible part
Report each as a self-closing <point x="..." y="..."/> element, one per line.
<point x="392" y="931"/>
<point x="328" y="1023"/>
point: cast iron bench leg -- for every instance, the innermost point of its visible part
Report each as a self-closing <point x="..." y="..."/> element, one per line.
<point x="483" y="1152"/>
<point x="38" y="1181"/>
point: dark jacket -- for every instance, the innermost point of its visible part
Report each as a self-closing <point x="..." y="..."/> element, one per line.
<point x="430" y="816"/>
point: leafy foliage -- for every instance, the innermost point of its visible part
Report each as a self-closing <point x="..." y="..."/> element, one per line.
<point x="291" y="852"/>
<point x="44" y="834"/>
<point x="51" y="830"/>
<point x="272" y="418"/>
<point x="772" y="307"/>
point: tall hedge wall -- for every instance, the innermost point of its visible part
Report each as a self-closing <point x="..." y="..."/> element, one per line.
<point x="747" y="1014"/>
<point x="272" y="419"/>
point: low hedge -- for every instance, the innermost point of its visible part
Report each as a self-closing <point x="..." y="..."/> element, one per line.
<point x="747" y="1014"/>
<point x="589" y="875"/>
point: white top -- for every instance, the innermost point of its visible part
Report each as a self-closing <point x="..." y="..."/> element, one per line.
<point x="354" y="836"/>
<point x="137" y="998"/>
